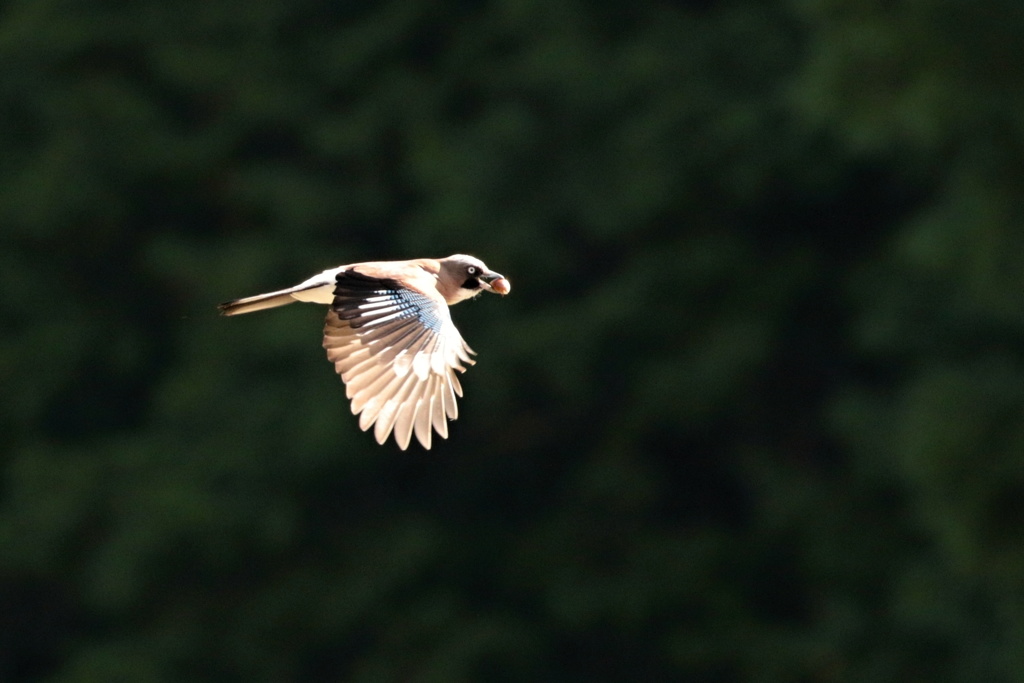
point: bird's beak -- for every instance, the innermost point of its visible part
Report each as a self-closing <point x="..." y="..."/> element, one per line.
<point x="495" y="282"/>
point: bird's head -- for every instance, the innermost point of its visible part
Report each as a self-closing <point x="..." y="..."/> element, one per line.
<point x="463" y="277"/>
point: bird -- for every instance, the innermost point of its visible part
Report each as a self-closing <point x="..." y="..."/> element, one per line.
<point x="391" y="337"/>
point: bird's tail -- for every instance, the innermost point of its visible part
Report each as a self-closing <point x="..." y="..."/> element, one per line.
<point x="251" y="304"/>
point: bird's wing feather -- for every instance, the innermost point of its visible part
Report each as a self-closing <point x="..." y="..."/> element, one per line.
<point x="391" y="338"/>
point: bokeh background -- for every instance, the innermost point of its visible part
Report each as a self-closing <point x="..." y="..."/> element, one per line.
<point x="754" y="410"/>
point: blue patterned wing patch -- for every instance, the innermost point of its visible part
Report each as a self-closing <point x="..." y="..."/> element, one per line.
<point x="382" y="304"/>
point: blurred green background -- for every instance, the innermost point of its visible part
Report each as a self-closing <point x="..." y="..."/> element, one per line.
<point x="754" y="410"/>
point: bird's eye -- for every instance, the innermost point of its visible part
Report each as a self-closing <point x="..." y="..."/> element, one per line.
<point x="471" y="270"/>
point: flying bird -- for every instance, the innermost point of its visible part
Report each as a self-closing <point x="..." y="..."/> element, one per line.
<point x="391" y="337"/>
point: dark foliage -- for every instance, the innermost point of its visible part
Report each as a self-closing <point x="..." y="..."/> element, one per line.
<point x="753" y="412"/>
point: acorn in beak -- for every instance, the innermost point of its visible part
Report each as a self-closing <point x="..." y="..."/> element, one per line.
<point x="495" y="282"/>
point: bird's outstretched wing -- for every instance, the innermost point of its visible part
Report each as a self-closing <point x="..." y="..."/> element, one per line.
<point x="397" y="350"/>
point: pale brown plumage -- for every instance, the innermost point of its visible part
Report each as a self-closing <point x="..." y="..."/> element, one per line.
<point x="391" y="337"/>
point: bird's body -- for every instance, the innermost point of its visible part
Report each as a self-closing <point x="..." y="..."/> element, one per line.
<point x="391" y="337"/>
